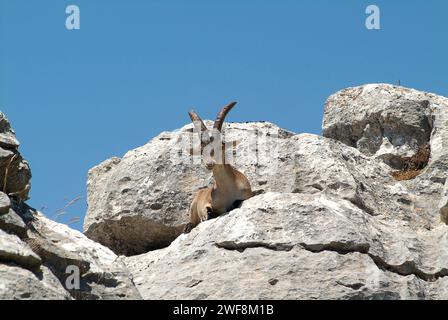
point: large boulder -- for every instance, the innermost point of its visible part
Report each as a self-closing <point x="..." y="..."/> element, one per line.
<point x="43" y="246"/>
<point x="405" y="128"/>
<point x="17" y="283"/>
<point x="381" y="120"/>
<point x="42" y="259"/>
<point x="14" y="249"/>
<point x="37" y="257"/>
<point x="140" y="202"/>
<point x="335" y="217"/>
<point x="297" y="246"/>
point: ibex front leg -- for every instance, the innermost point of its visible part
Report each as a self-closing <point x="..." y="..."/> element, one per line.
<point x="200" y="209"/>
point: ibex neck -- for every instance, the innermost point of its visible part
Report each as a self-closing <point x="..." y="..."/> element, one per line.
<point x="224" y="176"/>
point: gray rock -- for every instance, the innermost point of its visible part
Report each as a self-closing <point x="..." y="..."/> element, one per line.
<point x="140" y="202"/>
<point x="443" y="205"/>
<point x="17" y="181"/>
<point x="329" y="220"/>
<point x="5" y="203"/>
<point x="380" y="120"/>
<point x="332" y="221"/>
<point x="43" y="257"/>
<point x="13" y="250"/>
<point x="21" y="284"/>
<point x="103" y="274"/>
<point x="296" y="246"/>
<point x="391" y="123"/>
<point x="7" y="136"/>
<point x="11" y="222"/>
<point x="298" y="163"/>
<point x="35" y="252"/>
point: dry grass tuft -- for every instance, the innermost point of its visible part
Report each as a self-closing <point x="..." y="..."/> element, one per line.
<point x="413" y="165"/>
<point x="405" y="175"/>
<point x="62" y="211"/>
<point x="5" y="179"/>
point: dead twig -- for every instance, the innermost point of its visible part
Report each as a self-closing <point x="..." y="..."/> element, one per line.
<point x="74" y="220"/>
<point x="5" y="179"/>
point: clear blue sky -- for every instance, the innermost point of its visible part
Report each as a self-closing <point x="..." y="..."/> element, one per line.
<point x="76" y="98"/>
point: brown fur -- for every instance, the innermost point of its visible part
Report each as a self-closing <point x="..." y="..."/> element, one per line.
<point x="231" y="187"/>
<point x="414" y="165"/>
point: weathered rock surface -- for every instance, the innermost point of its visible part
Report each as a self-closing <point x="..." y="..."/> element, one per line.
<point x="15" y="174"/>
<point x="45" y="252"/>
<point x="5" y="203"/>
<point x="21" y="284"/>
<point x="391" y="123"/>
<point x="388" y="122"/>
<point x="140" y="202"/>
<point x="13" y="249"/>
<point x="443" y="205"/>
<point x="329" y="221"/>
<point x="297" y="246"/>
<point x="103" y="274"/>
<point x="35" y="252"/>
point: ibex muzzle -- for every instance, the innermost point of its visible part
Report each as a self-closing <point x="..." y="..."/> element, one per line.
<point x="231" y="187"/>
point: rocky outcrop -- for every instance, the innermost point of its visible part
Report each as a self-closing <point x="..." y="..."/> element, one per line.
<point x="40" y="258"/>
<point x="15" y="172"/>
<point x="384" y="121"/>
<point x="140" y="202"/>
<point x="297" y="246"/>
<point x="358" y="213"/>
<point x="355" y="214"/>
<point x="392" y="124"/>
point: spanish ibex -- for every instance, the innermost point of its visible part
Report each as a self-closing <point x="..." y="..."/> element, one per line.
<point x="231" y="187"/>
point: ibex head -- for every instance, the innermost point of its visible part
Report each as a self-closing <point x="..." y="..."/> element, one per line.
<point x="212" y="146"/>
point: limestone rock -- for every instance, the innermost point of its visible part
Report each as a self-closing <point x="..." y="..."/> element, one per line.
<point x="387" y="121"/>
<point x="140" y="202"/>
<point x="330" y="220"/>
<point x="443" y="205"/>
<point x="391" y="123"/>
<point x="13" y="250"/>
<point x="103" y="274"/>
<point x="17" y="182"/>
<point x="21" y="284"/>
<point x="12" y="223"/>
<point x="292" y="164"/>
<point x="37" y="255"/>
<point x="7" y="135"/>
<point x="5" y="203"/>
<point x="40" y="252"/>
<point x="296" y="246"/>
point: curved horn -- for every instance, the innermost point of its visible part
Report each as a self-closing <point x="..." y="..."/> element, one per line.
<point x="222" y="115"/>
<point x="195" y="119"/>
